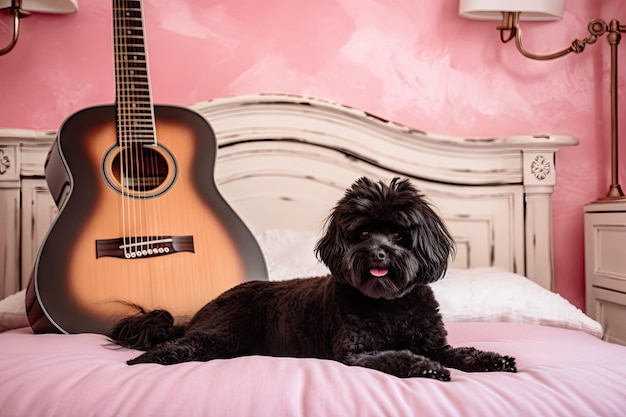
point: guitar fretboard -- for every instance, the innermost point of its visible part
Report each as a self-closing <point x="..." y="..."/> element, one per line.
<point x="135" y="115"/>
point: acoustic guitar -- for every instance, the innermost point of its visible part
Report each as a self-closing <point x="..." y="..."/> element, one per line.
<point x="140" y="220"/>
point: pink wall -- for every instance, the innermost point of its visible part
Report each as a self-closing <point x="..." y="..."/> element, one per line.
<point x="415" y="62"/>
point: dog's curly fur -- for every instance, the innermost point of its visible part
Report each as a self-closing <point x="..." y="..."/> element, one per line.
<point x="383" y="245"/>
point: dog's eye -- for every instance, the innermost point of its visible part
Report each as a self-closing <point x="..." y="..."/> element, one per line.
<point x="397" y="236"/>
<point x="364" y="234"/>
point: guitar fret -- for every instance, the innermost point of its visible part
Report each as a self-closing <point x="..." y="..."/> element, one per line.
<point x="130" y="38"/>
<point x="130" y="49"/>
<point x="133" y="90"/>
<point x="132" y="132"/>
<point x="134" y="37"/>
<point x="125" y="127"/>
<point x="129" y="78"/>
<point x="136" y="71"/>
<point x="128" y="111"/>
<point x="139" y="117"/>
<point x="132" y="15"/>
<point x="138" y="138"/>
<point x="126" y="101"/>
<point x="145" y="123"/>
<point x="136" y="131"/>
<point x="136" y="87"/>
<point x="124" y="34"/>
<point x="125" y="109"/>
<point x="139" y="50"/>
<point x="133" y="98"/>
<point x="129" y="22"/>
<point x="147" y="141"/>
<point x="132" y="64"/>
<point x="134" y="115"/>
<point x="137" y="107"/>
<point x="136" y="57"/>
<point x="147" y="133"/>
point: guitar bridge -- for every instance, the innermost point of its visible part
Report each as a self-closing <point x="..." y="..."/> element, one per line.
<point x="143" y="246"/>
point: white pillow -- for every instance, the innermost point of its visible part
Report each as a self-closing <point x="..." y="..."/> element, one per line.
<point x="289" y="254"/>
<point x="494" y="294"/>
<point x="478" y="294"/>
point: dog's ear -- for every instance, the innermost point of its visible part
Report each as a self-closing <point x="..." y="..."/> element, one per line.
<point x="331" y="246"/>
<point x="432" y="244"/>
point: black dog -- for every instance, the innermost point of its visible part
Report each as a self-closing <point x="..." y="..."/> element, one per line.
<point x="383" y="245"/>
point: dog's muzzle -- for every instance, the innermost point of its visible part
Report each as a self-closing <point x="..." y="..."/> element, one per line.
<point x="378" y="257"/>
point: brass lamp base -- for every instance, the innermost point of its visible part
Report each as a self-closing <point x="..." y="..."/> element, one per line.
<point x="615" y="194"/>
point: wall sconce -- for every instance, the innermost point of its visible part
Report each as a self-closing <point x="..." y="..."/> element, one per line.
<point x="22" y="8"/>
<point x="511" y="12"/>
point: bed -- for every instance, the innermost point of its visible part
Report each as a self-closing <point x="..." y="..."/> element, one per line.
<point x="283" y="161"/>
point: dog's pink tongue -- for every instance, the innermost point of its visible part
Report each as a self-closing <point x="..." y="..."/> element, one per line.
<point x="378" y="272"/>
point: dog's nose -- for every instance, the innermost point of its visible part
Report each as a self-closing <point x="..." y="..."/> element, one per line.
<point x="378" y="255"/>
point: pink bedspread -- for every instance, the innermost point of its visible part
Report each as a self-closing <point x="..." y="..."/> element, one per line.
<point x="561" y="373"/>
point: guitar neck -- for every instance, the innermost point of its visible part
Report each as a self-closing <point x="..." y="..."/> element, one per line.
<point x="133" y="99"/>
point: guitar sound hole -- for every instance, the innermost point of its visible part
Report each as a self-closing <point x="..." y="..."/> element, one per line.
<point x="139" y="170"/>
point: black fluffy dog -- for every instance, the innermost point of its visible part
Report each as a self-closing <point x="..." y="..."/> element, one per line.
<point x="383" y="245"/>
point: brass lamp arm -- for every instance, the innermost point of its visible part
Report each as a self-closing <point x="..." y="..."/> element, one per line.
<point x="510" y="23"/>
<point x="18" y="13"/>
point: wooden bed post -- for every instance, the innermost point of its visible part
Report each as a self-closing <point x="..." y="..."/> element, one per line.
<point x="539" y="179"/>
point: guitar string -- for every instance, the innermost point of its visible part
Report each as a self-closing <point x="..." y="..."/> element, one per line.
<point x="154" y="168"/>
<point x="141" y="112"/>
<point x="129" y="146"/>
<point x="136" y="144"/>
<point x="123" y="157"/>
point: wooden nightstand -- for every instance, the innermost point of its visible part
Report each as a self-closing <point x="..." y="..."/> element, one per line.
<point x="605" y="267"/>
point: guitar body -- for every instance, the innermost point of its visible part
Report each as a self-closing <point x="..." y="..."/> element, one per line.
<point x="165" y="240"/>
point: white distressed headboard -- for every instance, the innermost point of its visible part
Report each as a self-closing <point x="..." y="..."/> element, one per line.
<point x="285" y="160"/>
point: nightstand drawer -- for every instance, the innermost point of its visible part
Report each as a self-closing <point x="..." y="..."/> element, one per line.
<point x="610" y="311"/>
<point x="605" y="235"/>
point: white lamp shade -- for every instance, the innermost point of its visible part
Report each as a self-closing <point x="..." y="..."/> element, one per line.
<point x="530" y="9"/>
<point x="45" y="6"/>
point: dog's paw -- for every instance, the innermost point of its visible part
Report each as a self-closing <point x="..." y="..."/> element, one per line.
<point x="160" y="356"/>
<point x="144" y="358"/>
<point x="438" y="374"/>
<point x="430" y="369"/>
<point x="470" y="359"/>
<point x="505" y="364"/>
<point x="494" y="362"/>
